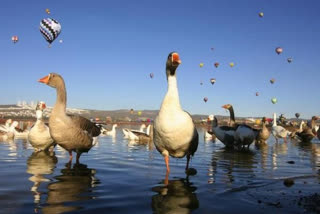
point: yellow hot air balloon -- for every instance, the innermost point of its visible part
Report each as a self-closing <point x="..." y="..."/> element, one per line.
<point x="231" y="64"/>
<point x="261" y="14"/>
<point x="201" y="65"/>
<point x="47" y="11"/>
<point x="139" y="113"/>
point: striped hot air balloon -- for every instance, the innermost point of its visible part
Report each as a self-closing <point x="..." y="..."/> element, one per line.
<point x="14" y="39"/>
<point x="50" y="29"/>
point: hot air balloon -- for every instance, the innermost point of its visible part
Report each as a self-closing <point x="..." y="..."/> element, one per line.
<point x="201" y="83"/>
<point x="47" y="11"/>
<point x="231" y="64"/>
<point x="151" y="75"/>
<point x="216" y="64"/>
<point x="50" y="29"/>
<point x="14" y="39"/>
<point x="257" y="93"/>
<point x="212" y="49"/>
<point x="297" y="115"/>
<point x="261" y="14"/>
<point x="205" y="99"/>
<point x="201" y="65"/>
<point x="139" y="113"/>
<point x="212" y="80"/>
<point x="272" y="80"/>
<point x="279" y="50"/>
<point x="289" y="60"/>
<point x="274" y="100"/>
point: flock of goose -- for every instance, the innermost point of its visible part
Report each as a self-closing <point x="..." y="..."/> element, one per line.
<point x="173" y="131"/>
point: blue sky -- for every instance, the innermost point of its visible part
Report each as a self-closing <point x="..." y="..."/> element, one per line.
<point x="110" y="47"/>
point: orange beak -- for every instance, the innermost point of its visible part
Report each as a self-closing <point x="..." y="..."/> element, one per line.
<point x="225" y="106"/>
<point x="45" y="79"/>
<point x="176" y="58"/>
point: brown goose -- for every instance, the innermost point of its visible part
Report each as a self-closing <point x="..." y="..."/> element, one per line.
<point x="71" y="132"/>
<point x="308" y="133"/>
<point x="263" y="133"/>
<point x="175" y="133"/>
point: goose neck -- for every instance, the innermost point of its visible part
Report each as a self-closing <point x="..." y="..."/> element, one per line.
<point x="61" y="101"/>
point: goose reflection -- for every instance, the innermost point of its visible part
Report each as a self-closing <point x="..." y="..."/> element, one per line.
<point x="40" y="164"/>
<point x="263" y="149"/>
<point x="233" y="163"/>
<point x="177" y="197"/>
<point x="74" y="184"/>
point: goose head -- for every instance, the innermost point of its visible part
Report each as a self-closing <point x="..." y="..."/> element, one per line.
<point x="172" y="64"/>
<point x="8" y="122"/>
<point x="227" y="106"/>
<point x="264" y="119"/>
<point x="52" y="79"/>
<point x="41" y="106"/>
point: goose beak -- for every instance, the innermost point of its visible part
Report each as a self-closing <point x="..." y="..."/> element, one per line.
<point x="45" y="79"/>
<point x="176" y="58"/>
<point x="225" y="106"/>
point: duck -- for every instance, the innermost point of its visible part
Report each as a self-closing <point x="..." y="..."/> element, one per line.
<point x="80" y="132"/>
<point x="111" y="132"/>
<point x="141" y="136"/>
<point x="174" y="132"/>
<point x="263" y="133"/>
<point x="279" y="131"/>
<point x="308" y="132"/>
<point x="244" y="135"/>
<point x="39" y="135"/>
<point x="125" y="131"/>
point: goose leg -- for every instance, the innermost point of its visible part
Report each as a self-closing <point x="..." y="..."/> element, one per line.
<point x="166" y="159"/>
<point x="285" y="139"/>
<point x="188" y="159"/>
<point x="70" y="156"/>
<point x="78" y="157"/>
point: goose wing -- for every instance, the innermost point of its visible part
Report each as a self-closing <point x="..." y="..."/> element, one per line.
<point x="86" y="125"/>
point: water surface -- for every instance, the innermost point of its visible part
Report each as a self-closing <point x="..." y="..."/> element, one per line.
<point x="118" y="176"/>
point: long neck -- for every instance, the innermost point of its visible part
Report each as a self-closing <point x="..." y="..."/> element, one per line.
<point x="171" y="100"/>
<point x="148" y="130"/>
<point x="113" y="128"/>
<point x="61" y="102"/>
<point x="232" y="119"/>
<point x="264" y="125"/>
<point x="274" y="119"/>
<point x="300" y="128"/>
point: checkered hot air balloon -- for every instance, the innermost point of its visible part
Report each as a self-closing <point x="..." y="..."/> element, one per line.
<point x="50" y="29"/>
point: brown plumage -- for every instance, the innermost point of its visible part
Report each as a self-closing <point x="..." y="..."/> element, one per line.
<point x="71" y="132"/>
<point x="263" y="133"/>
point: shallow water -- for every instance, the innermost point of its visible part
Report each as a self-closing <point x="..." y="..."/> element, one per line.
<point x="118" y="176"/>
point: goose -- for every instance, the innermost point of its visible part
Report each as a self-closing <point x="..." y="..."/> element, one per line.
<point x="278" y="131"/>
<point x="125" y="131"/>
<point x="308" y="132"/>
<point x="6" y="127"/>
<point x="21" y="133"/>
<point x="71" y="132"/>
<point x="297" y="130"/>
<point x="141" y="136"/>
<point x="9" y="133"/>
<point x="111" y="132"/>
<point x="175" y="133"/>
<point x="224" y="133"/>
<point x="208" y="134"/>
<point x="39" y="135"/>
<point x="244" y="135"/>
<point x="264" y="133"/>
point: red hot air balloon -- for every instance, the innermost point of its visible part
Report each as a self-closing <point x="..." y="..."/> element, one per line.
<point x="216" y="64"/>
<point x="14" y="39"/>
<point x="205" y="99"/>
<point x="279" y="50"/>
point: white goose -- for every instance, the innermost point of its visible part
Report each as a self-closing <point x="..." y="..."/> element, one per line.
<point x="6" y="127"/>
<point x="174" y="131"/>
<point x="39" y="135"/>
<point x="111" y="132"/>
<point x="125" y="131"/>
<point x="141" y="136"/>
<point x="9" y="133"/>
<point x="279" y="131"/>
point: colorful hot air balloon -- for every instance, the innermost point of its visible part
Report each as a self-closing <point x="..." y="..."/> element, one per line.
<point x="297" y="115"/>
<point x="212" y="80"/>
<point x="257" y="93"/>
<point x="289" y="59"/>
<point x="274" y="100"/>
<point x="14" y="39"/>
<point x="50" y="29"/>
<point x="47" y="11"/>
<point x="201" y="65"/>
<point x="205" y="99"/>
<point x="272" y="80"/>
<point x="151" y="75"/>
<point x="279" y="50"/>
<point x="261" y="14"/>
<point x="231" y="64"/>
<point x="216" y="64"/>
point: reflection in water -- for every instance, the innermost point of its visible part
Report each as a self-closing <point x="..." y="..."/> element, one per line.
<point x="74" y="184"/>
<point x="263" y="149"/>
<point x="278" y="149"/>
<point x="232" y="162"/>
<point x="39" y="164"/>
<point x="176" y="197"/>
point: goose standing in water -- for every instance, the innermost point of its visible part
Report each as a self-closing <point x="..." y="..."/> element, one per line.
<point x="208" y="134"/>
<point x="39" y="135"/>
<point x="125" y="131"/>
<point x="263" y="133"/>
<point x="8" y="134"/>
<point x="141" y="136"/>
<point x="6" y="127"/>
<point x="71" y="132"/>
<point x="279" y="131"/>
<point x="111" y="132"/>
<point x="308" y="132"/>
<point x="174" y="131"/>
